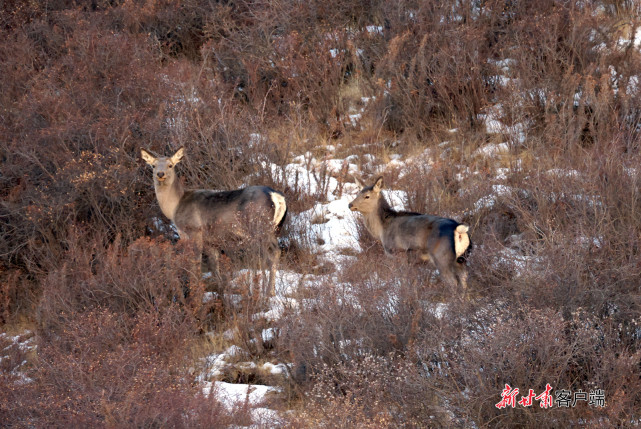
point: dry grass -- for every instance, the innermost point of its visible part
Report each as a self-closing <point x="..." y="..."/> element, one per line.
<point x="85" y="256"/>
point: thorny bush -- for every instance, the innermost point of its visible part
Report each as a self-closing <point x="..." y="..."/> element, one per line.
<point x="86" y="255"/>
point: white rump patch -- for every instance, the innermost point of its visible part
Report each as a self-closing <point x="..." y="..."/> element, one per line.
<point x="280" y="207"/>
<point x="461" y="240"/>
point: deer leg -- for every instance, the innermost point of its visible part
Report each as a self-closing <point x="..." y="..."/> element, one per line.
<point x="270" y="253"/>
<point x="449" y="277"/>
<point x="273" y="264"/>
<point x="462" y="278"/>
<point x="389" y="251"/>
<point x="213" y="262"/>
<point x="426" y="257"/>
<point x="196" y="238"/>
<point x="191" y="242"/>
<point x="446" y="272"/>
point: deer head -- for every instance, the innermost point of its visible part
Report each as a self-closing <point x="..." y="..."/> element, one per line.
<point x="164" y="173"/>
<point x="367" y="199"/>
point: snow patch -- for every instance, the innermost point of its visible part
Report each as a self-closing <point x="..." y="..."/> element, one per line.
<point x="493" y="149"/>
<point x="332" y="228"/>
<point x="561" y="172"/>
<point x="488" y="201"/>
<point x="278" y="369"/>
<point x="233" y="395"/>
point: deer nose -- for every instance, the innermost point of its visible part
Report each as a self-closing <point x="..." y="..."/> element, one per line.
<point x="161" y="174"/>
<point x="350" y="205"/>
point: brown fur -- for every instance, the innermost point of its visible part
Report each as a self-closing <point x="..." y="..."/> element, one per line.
<point x="202" y="214"/>
<point x="442" y="241"/>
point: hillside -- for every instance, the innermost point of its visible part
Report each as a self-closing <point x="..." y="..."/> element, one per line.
<point x="520" y="119"/>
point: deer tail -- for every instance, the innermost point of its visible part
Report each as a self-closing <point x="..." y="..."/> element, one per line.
<point x="462" y="242"/>
<point x="280" y="208"/>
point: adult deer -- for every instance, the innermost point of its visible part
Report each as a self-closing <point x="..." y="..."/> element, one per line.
<point x="214" y="219"/>
<point x="442" y="241"/>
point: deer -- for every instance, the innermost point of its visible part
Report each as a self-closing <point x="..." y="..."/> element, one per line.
<point x="442" y="241"/>
<point x="209" y="218"/>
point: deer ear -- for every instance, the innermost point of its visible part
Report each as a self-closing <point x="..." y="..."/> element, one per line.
<point x="358" y="182"/>
<point x="147" y="157"/>
<point x="178" y="155"/>
<point x="378" y="185"/>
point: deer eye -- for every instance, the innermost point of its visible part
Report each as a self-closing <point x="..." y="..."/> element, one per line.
<point x="366" y="196"/>
<point x="170" y="166"/>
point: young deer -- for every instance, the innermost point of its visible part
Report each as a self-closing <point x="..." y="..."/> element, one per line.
<point x="442" y="241"/>
<point x="213" y="218"/>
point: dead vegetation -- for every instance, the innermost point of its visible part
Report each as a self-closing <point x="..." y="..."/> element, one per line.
<point x="522" y="120"/>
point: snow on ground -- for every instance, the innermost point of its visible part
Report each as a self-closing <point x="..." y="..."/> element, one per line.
<point x="493" y="125"/>
<point x="277" y="306"/>
<point x="634" y="40"/>
<point x="328" y="229"/>
<point x="437" y="309"/>
<point x="231" y="394"/>
<point x="563" y="173"/>
<point x="278" y="369"/>
<point x="253" y="396"/>
<point x="332" y="227"/>
<point x="238" y="395"/>
<point x="519" y="262"/>
<point x="488" y="201"/>
<point x="505" y="65"/>
<point x="24" y="342"/>
<point x="501" y="173"/>
<point x="492" y="149"/>
<point x="308" y="175"/>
